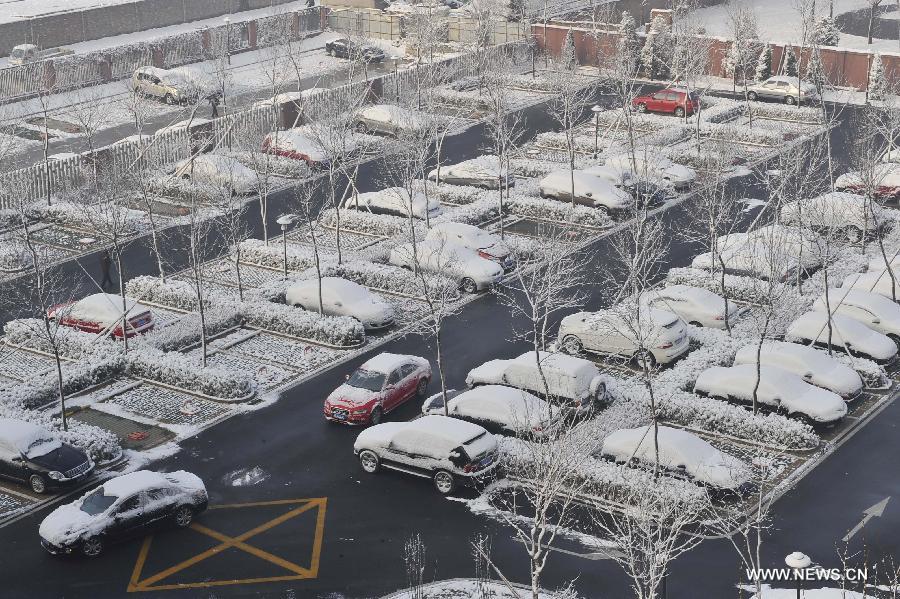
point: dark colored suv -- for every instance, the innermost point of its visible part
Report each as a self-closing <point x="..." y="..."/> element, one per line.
<point x="31" y="455"/>
<point x="672" y="100"/>
<point x="345" y="48"/>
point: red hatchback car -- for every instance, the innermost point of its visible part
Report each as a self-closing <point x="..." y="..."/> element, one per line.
<point x="672" y="100"/>
<point x="101" y="311"/>
<point x="380" y="385"/>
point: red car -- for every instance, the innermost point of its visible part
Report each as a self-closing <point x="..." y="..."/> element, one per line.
<point x="380" y="385"/>
<point x="672" y="100"/>
<point x="97" y="313"/>
<point x="296" y="145"/>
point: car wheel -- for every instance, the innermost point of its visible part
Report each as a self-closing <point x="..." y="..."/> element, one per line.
<point x="444" y="482"/>
<point x="642" y="108"/>
<point x="360" y="127"/>
<point x="679" y="112"/>
<point x="572" y="345"/>
<point x="183" y="516"/>
<point x="92" y="546"/>
<point x="369" y="462"/>
<point x="600" y="393"/>
<point x="895" y="339"/>
<point x="752" y="96"/>
<point x="422" y="388"/>
<point x="790" y="100"/>
<point x="854" y="234"/>
<point x="468" y="285"/>
<point x="38" y="484"/>
<point x="695" y="323"/>
<point x="168" y="99"/>
<point x="645" y="356"/>
<point x="375" y="416"/>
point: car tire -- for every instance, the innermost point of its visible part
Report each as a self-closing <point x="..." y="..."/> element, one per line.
<point x="444" y="483"/>
<point x="376" y="415"/>
<point x="572" y="345"/>
<point x="91" y="547"/>
<point x="38" y="484"/>
<point x="183" y="516"/>
<point x="369" y="462"/>
<point x="641" y="107"/>
<point x="790" y="100"/>
<point x="854" y="234"/>
<point x="360" y="127"/>
<point x="752" y="96"/>
<point x="895" y="339"/>
<point x="468" y="285"/>
<point x="168" y="99"/>
<point x="679" y="112"/>
<point x="600" y="396"/>
<point x="422" y="388"/>
<point x="695" y="323"/>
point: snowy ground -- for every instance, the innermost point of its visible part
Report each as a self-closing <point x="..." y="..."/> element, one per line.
<point x="464" y="588"/>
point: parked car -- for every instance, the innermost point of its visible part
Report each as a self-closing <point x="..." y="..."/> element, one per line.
<point x="488" y="245"/>
<point x="345" y="48"/>
<point x="395" y="201"/>
<point x="172" y="86"/>
<point x="877" y="281"/>
<point x="860" y="340"/>
<point x="672" y="100"/>
<point x="747" y="257"/>
<point x="472" y="272"/>
<point x="450" y="452"/>
<point x="694" y="305"/>
<point x="778" y="390"/>
<point x="26" y="53"/>
<point x="620" y="179"/>
<point x="871" y="309"/>
<point x="499" y="409"/>
<point x="789" y="90"/>
<point x="885" y="179"/>
<point x="387" y="119"/>
<point x="341" y="297"/>
<point x="653" y="166"/>
<point x="589" y="191"/>
<point x="32" y="455"/>
<point x="380" y="385"/>
<point x="484" y="171"/>
<point x="813" y="365"/>
<point x="296" y="144"/>
<point x="681" y="454"/>
<point x="124" y="507"/>
<point x="213" y="171"/>
<point x="103" y="311"/>
<point x="659" y="336"/>
<point x="573" y="382"/>
<point x="836" y="211"/>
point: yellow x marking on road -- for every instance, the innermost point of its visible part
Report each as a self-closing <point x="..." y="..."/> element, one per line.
<point x="239" y="542"/>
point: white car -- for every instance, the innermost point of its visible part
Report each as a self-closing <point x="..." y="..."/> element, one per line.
<point x="387" y="119"/>
<point x="473" y="272"/>
<point x="214" y="170"/>
<point x="812" y="365"/>
<point x="570" y="380"/>
<point x="876" y="281"/>
<point x="885" y="179"/>
<point x="499" y="409"/>
<point x="487" y="245"/>
<point x="341" y="297"/>
<point x="746" y="255"/>
<point x="836" y="211"/>
<point x="449" y="451"/>
<point x="589" y="191"/>
<point x="654" y="167"/>
<point x="778" y="389"/>
<point x="871" y="309"/>
<point x="396" y="202"/>
<point x="784" y="88"/>
<point x="484" y="171"/>
<point x="620" y="179"/>
<point x="660" y="334"/>
<point x="858" y="338"/>
<point x="681" y="453"/>
<point x="694" y="305"/>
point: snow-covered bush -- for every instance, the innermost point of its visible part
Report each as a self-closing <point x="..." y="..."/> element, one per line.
<point x="270" y="164"/>
<point x="744" y="289"/>
<point x="186" y="331"/>
<point x="14" y="256"/>
<point x="721" y="110"/>
<point x="471" y="214"/>
<point x="457" y="194"/>
<point x="9" y="218"/>
<point x="539" y="167"/>
<point x="255" y="251"/>
<point x="741" y="133"/>
<point x="71" y="343"/>
<point x="461" y="99"/>
<point x="85" y="216"/>
<point x="341" y="331"/>
<point x="362" y="221"/>
<point x="558" y="141"/>
<point x="173" y="293"/>
<point x="385" y="276"/>
<point x="43" y="389"/>
<point x="558" y="211"/>
<point x="179" y="370"/>
<point x="805" y="114"/>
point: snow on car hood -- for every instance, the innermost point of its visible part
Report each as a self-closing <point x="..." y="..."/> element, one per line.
<point x="491" y="372"/>
<point x="821" y="405"/>
<point x="723" y="471"/>
<point x="68" y="522"/>
<point x="354" y="396"/>
<point x="680" y="173"/>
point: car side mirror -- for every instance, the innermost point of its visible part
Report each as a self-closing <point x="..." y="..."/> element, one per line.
<point x="346" y="377"/>
<point x="338" y="304"/>
<point x="808" y="375"/>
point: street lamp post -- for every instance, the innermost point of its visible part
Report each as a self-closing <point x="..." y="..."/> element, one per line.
<point x="285" y="220"/>
<point x="596" y="109"/>
<point x="798" y="561"/>
<point x="227" y="49"/>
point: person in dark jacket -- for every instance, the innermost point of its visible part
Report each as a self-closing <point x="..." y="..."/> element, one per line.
<point x="105" y="269"/>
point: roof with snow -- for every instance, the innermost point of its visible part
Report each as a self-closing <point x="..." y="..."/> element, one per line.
<point x="386" y="362"/>
<point x="131" y="483"/>
<point x="21" y="434"/>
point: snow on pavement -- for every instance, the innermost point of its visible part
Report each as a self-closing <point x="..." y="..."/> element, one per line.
<point x="823" y="593"/>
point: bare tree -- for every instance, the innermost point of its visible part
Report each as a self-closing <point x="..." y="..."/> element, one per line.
<point x="743" y="55"/>
<point x="308" y="208"/>
<point x="567" y="109"/>
<point x="505" y="127"/>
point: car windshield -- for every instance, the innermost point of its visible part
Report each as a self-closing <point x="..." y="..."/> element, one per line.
<point x="364" y="379"/>
<point x="97" y="502"/>
<point x="41" y="446"/>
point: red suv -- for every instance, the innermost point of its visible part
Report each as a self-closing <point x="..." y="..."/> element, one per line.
<point x="380" y="385"/>
<point x="672" y="100"/>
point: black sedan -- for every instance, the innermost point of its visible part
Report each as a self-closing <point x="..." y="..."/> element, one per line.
<point x="344" y="48"/>
<point x="34" y="456"/>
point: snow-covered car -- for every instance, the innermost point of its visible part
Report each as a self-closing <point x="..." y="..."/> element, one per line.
<point x="175" y="86"/>
<point x="214" y="171"/>
<point x="779" y="390"/>
<point x="618" y="178"/>
<point x="499" y="409"/>
<point x="388" y="119"/>
<point x="747" y="256"/>
<point x="484" y="171"/>
<point x="812" y="327"/>
<point x="659" y="336"/>
<point x="644" y="191"/>
<point x="694" y="305"/>
<point x="293" y="97"/>
<point x="871" y="309"/>
<point x="449" y="451"/>
<point x="790" y="90"/>
<point x="101" y="311"/>
<point x="573" y="382"/>
<point x="32" y="455"/>
<point x="396" y="202"/>
<point x="835" y="211"/>
<point x="682" y="454"/>
<point x="885" y="179"/>
<point x="346" y="48"/>
<point x="296" y="144"/>
<point x="653" y="166"/>
<point x="123" y="507"/>
<point x="812" y="365"/>
<point x="589" y="191"/>
<point x="488" y="245"/>
<point x="380" y="385"/>
<point x="341" y="297"/>
<point x="876" y="281"/>
<point x="472" y="272"/>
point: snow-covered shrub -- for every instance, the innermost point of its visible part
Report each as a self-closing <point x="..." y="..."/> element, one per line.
<point x="275" y="165"/>
<point x="525" y="248"/>
<point x="43" y="389"/>
<point x="721" y="110"/>
<point x="85" y="216"/>
<point x="740" y="133"/>
<point x="173" y="293"/>
<point x="179" y="370"/>
<point x="541" y="167"/>
<point x="462" y="99"/>
<point x="341" y="331"/>
<point x="9" y="219"/>
<point x="582" y="143"/>
<point x="255" y="251"/>
<point x="361" y="221"/>
<point x="558" y="211"/>
<point x="71" y="343"/>
<point x="744" y="289"/>
<point x="471" y="214"/>
<point x="457" y="194"/>
<point x="806" y="114"/>
<point x="186" y="331"/>
<point x="14" y="256"/>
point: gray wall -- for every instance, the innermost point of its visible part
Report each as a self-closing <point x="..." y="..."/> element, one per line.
<point x="96" y="23"/>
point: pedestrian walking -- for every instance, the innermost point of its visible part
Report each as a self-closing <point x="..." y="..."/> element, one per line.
<point x="310" y="3"/>
<point x="214" y="105"/>
<point x="105" y="268"/>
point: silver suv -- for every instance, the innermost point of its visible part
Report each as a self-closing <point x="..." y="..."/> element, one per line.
<point x="784" y="89"/>
<point x="172" y="87"/>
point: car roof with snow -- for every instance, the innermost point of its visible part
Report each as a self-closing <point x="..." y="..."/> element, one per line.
<point x="128" y="484"/>
<point x="809" y="355"/>
<point x="697" y="294"/>
<point x="21" y="434"/>
<point x="770" y="376"/>
<point x="386" y="362"/>
<point x="487" y="164"/>
<point x="671" y="440"/>
<point x="346" y="289"/>
<point x="459" y="229"/>
<point x="501" y="398"/>
<point x="564" y="178"/>
<point x="386" y="111"/>
<point x="576" y="367"/>
<point x="103" y="307"/>
<point x="812" y="324"/>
